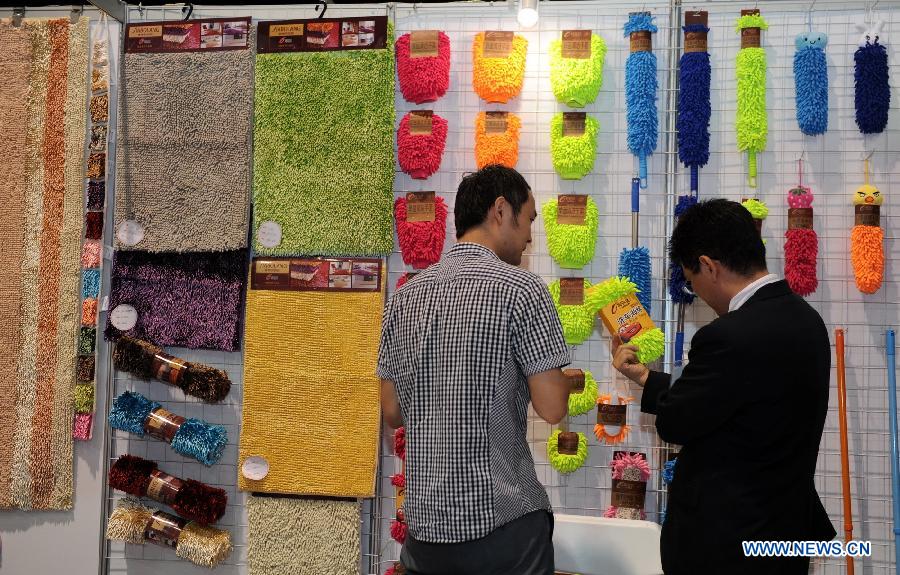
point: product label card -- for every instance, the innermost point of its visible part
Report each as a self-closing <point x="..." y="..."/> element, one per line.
<point x="420" y="206"/>
<point x="628" y="494"/>
<point x="626" y="318"/>
<point x="641" y="41"/>
<point x="695" y="41"/>
<point x="164" y="529"/>
<point x="322" y="35"/>
<point x="609" y="414"/>
<point x="573" y="123"/>
<point x="576" y="380"/>
<point x="124" y="317"/>
<point x="576" y="44"/>
<point x="269" y="234"/>
<point x="800" y="218"/>
<point x="571" y="291"/>
<point x="567" y="443"/>
<point x="750" y="37"/>
<point x="130" y="232"/>
<point x="497" y="44"/>
<point x="194" y="36"/>
<point x="571" y="209"/>
<point x="168" y="368"/>
<point x="420" y="122"/>
<point x="162" y="424"/>
<point x="423" y="44"/>
<point x="868" y="216"/>
<point x="163" y="487"/>
<point x="495" y="122"/>
<point x="317" y="274"/>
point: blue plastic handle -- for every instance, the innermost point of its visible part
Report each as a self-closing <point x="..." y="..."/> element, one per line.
<point x="642" y="170"/>
<point x="695" y="180"/>
<point x="895" y="462"/>
<point x="679" y="347"/>
<point x="635" y="195"/>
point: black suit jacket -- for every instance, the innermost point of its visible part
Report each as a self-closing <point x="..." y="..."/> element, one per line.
<point x="748" y="411"/>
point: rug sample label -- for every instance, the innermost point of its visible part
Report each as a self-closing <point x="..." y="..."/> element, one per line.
<point x="194" y="36"/>
<point x="628" y="494"/>
<point x="164" y="529"/>
<point x="571" y="291"/>
<point x="495" y="122"/>
<point x="322" y="35"/>
<point x="626" y="318"/>
<point x="163" y="487"/>
<point x="576" y="380"/>
<point x="168" y="368"/>
<point x="497" y="44"/>
<point x="573" y="123"/>
<point x="423" y="44"/>
<point x="420" y="122"/>
<point x="576" y="44"/>
<point x="163" y="424"/>
<point x="316" y="274"/>
<point x="571" y="209"/>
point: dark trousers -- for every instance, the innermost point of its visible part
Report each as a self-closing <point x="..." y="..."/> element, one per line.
<point x="521" y="547"/>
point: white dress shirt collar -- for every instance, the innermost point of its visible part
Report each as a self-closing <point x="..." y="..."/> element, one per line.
<point x="746" y="293"/>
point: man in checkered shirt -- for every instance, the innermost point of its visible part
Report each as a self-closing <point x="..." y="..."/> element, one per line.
<point x="465" y="345"/>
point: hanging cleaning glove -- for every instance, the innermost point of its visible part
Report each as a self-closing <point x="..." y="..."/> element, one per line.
<point x="501" y="147"/>
<point x="801" y="245"/>
<point x="573" y="155"/>
<point x="577" y="320"/>
<point x="640" y="90"/>
<point x="752" y="123"/>
<point x="628" y="467"/>
<point x="419" y="154"/>
<point x="423" y="78"/>
<point x="497" y="80"/>
<point x="571" y="245"/>
<point x="873" y="92"/>
<point x="577" y="81"/>
<point x="867" y="238"/>
<point x="694" y="108"/>
<point x="581" y="402"/>
<point x="629" y="322"/>
<point x="567" y="451"/>
<point x="421" y="242"/>
<point x="811" y="82"/>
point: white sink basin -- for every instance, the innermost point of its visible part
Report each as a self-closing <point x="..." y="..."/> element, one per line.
<point x="600" y="546"/>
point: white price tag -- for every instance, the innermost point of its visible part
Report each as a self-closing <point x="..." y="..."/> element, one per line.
<point x="105" y="305"/>
<point x="255" y="468"/>
<point x="269" y="234"/>
<point x="123" y="317"/>
<point x="130" y="232"/>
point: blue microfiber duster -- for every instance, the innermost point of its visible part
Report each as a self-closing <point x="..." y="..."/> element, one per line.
<point x="640" y="95"/>
<point x="634" y="264"/>
<point x="873" y="93"/>
<point x="677" y="283"/>
<point x="194" y="438"/>
<point x="811" y="81"/>
<point x="694" y="109"/>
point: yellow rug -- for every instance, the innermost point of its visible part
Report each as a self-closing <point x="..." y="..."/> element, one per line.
<point x="311" y="399"/>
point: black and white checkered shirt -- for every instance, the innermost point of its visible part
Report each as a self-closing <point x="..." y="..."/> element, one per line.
<point x="458" y="341"/>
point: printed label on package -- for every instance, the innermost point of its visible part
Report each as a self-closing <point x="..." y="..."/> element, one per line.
<point x="571" y="291"/>
<point x="163" y="487"/>
<point x="695" y="41"/>
<point x="164" y="529"/>
<point x="608" y="414"/>
<point x="322" y="35"/>
<point x="420" y="122"/>
<point x="576" y="44"/>
<point x="317" y="274"/>
<point x="419" y="206"/>
<point x="195" y="36"/>
<point x="628" y="494"/>
<point x="571" y="209"/>
<point x="573" y="123"/>
<point x="162" y="424"/>
<point x="495" y="122"/>
<point x="576" y="380"/>
<point x="750" y="37"/>
<point x="497" y="44"/>
<point x="626" y="318"/>
<point x="168" y="368"/>
<point x="423" y="44"/>
<point x="800" y="218"/>
<point x="641" y="41"/>
<point x="567" y="443"/>
<point x="868" y="216"/>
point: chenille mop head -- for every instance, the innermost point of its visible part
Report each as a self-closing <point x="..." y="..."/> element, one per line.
<point x="577" y="81"/>
<point x="873" y="91"/>
<point x="752" y="123"/>
<point x="573" y="156"/>
<point x="193" y="500"/>
<point x="202" y="545"/>
<point x="678" y="283"/>
<point x="147" y="361"/>
<point x="571" y="245"/>
<point x="567" y="451"/>
<point x="497" y="80"/>
<point x="423" y="79"/>
<point x="421" y="243"/>
<point x="634" y="263"/>
<point x="811" y="82"/>
<point x="630" y="467"/>
<point x="399" y="529"/>
<point x="867" y="238"/>
<point x="640" y="91"/>
<point x="650" y="342"/>
<point x="694" y="109"/>
<point x="801" y="244"/>
<point x="420" y="155"/>
<point x="136" y="414"/>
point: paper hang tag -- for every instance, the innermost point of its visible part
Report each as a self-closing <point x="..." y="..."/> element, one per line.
<point x="868" y="216"/>
<point x="130" y="232"/>
<point x="750" y="37"/>
<point x="497" y="44"/>
<point x="255" y="468"/>
<point x="571" y="291"/>
<point x="420" y="206"/>
<point x="567" y="443"/>
<point x="163" y="424"/>
<point x="423" y="44"/>
<point x="576" y="44"/>
<point x="123" y="317"/>
<point x="628" y="494"/>
<point x="571" y="209"/>
<point x="420" y="122"/>
<point x="576" y="380"/>
<point x="695" y="41"/>
<point x="610" y="414"/>
<point x="163" y="487"/>
<point x="573" y="123"/>
<point x="641" y="41"/>
<point x="495" y="122"/>
<point x="800" y="218"/>
<point x="269" y="234"/>
<point x="164" y="529"/>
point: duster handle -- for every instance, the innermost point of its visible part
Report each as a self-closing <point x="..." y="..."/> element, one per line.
<point x="679" y="336"/>
<point x="642" y="170"/>
<point x="845" y="455"/>
<point x="695" y="180"/>
<point x="751" y="181"/>
<point x="635" y="210"/>
<point x="895" y="462"/>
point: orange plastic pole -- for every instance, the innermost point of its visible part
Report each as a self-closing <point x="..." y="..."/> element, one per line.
<point x="845" y="458"/>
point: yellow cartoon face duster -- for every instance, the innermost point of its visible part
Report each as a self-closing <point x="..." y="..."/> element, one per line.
<point x="867" y="239"/>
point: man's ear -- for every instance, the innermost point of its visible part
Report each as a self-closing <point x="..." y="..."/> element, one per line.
<point x="501" y="209"/>
<point x="710" y="264"/>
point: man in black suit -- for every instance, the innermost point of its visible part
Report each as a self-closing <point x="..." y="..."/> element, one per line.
<point x="748" y="408"/>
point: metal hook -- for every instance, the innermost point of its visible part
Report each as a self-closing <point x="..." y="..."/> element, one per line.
<point x="18" y="15"/>
<point x="324" y="6"/>
<point x="187" y="11"/>
<point x="77" y="11"/>
<point x="141" y="9"/>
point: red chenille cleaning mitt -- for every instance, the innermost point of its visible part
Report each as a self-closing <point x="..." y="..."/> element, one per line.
<point x="421" y="243"/>
<point x="423" y="79"/>
<point x="420" y="154"/>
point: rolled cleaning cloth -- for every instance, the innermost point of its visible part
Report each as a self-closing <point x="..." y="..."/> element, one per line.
<point x="571" y="245"/>
<point x="423" y="79"/>
<point x="290" y="535"/>
<point x="577" y="81"/>
<point x="309" y="364"/>
<point x="420" y="154"/>
<point x="421" y="243"/>
<point x="323" y="151"/>
<point x="501" y="148"/>
<point x="573" y="156"/>
<point x="183" y="152"/>
<point x="43" y="128"/>
<point x="498" y="80"/>
<point x="185" y="300"/>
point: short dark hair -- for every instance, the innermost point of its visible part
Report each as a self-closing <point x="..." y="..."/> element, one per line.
<point x="722" y="230"/>
<point x="477" y="193"/>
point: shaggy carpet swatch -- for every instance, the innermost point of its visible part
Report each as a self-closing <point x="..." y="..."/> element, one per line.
<point x="290" y="535"/>
<point x="182" y="300"/>
<point x="42" y="139"/>
<point x="323" y="151"/>
<point x="184" y="149"/>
